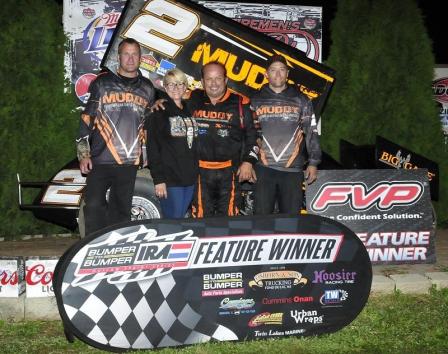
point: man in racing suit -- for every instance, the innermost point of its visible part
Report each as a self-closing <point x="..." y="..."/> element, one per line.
<point x="226" y="144"/>
<point x="109" y="143"/>
<point x="288" y="140"/>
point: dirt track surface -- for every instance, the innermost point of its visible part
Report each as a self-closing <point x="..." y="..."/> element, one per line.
<point x="56" y="246"/>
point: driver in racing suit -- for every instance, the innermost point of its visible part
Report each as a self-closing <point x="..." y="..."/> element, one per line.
<point x="227" y="146"/>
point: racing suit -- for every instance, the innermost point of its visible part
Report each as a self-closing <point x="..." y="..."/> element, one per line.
<point x="288" y="139"/>
<point x="111" y="134"/>
<point x="227" y="136"/>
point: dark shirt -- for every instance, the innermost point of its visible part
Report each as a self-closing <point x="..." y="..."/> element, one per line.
<point x="172" y="145"/>
<point x="113" y="119"/>
<point x="281" y="116"/>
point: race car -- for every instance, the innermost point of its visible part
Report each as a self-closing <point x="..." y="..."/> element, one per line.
<point x="60" y="199"/>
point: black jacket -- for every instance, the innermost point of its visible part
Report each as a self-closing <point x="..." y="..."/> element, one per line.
<point x="280" y="116"/>
<point x="111" y="128"/>
<point x="172" y="145"/>
<point x="223" y="135"/>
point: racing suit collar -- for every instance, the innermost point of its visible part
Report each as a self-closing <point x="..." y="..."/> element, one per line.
<point x="222" y="99"/>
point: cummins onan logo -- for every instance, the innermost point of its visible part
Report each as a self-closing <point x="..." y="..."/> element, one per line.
<point x="384" y="195"/>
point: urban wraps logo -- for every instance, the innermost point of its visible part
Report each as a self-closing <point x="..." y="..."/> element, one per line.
<point x="142" y="254"/>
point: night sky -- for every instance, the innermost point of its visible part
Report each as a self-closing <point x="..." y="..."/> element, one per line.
<point x="434" y="14"/>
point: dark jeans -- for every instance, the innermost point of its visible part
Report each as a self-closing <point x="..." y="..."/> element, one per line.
<point x="100" y="212"/>
<point x="217" y="193"/>
<point x="177" y="202"/>
<point x="272" y="186"/>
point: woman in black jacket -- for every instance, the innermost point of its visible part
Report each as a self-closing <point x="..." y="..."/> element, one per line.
<point x="171" y="144"/>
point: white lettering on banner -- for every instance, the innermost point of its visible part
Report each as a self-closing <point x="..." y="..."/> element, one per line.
<point x="360" y="217"/>
<point x="162" y="25"/>
<point x="251" y="250"/>
<point x="306" y="316"/>
<point x="182" y="251"/>
<point x="383" y="195"/>
<point x="397" y="254"/>
<point x="395" y="238"/>
<point x="64" y="193"/>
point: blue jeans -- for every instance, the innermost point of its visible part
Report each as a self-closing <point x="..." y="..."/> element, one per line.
<point x="177" y="202"/>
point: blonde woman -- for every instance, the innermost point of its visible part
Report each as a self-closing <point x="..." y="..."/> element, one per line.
<point x="172" y="156"/>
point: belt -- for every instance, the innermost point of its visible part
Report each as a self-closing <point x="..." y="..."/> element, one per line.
<point x="215" y="165"/>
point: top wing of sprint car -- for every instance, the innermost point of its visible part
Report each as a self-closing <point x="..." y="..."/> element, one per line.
<point x="186" y="35"/>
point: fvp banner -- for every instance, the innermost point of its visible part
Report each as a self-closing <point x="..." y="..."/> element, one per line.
<point x="160" y="283"/>
<point x="389" y="210"/>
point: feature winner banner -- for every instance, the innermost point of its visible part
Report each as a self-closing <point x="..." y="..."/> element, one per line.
<point x="389" y="210"/>
<point x="160" y="283"/>
<point x="187" y="35"/>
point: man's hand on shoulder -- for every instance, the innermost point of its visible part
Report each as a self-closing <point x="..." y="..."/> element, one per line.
<point x="85" y="165"/>
<point x="158" y="105"/>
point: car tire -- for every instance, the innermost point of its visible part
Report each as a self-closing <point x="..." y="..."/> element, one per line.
<point x="145" y="204"/>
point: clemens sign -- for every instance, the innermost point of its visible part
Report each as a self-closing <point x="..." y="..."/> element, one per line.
<point x="159" y="283"/>
<point x="390" y="211"/>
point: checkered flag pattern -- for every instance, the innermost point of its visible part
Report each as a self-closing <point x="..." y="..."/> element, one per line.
<point x="139" y="315"/>
<point x="162" y="307"/>
<point x="134" y="309"/>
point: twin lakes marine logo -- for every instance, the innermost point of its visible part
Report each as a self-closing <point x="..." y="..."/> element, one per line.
<point x="143" y="254"/>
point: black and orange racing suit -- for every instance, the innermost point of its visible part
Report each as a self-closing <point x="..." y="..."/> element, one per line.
<point x="111" y="134"/>
<point x="227" y="137"/>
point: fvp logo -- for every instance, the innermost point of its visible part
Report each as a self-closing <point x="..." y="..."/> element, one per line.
<point x="384" y="195"/>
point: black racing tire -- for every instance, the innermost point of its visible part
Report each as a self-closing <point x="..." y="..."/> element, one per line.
<point x="145" y="204"/>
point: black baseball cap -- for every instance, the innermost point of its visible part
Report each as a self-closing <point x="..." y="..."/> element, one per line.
<point x="276" y="58"/>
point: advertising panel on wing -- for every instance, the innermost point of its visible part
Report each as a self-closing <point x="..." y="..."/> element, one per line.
<point x="389" y="210"/>
<point x="159" y="283"/>
<point x="187" y="35"/>
<point x="89" y="27"/>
